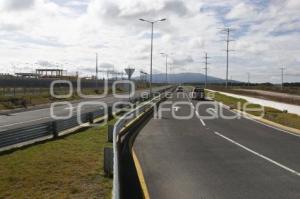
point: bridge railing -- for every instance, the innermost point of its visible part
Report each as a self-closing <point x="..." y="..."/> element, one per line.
<point x="18" y="137"/>
<point x="124" y="126"/>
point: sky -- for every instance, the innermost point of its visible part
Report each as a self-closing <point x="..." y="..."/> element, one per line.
<point x="68" y="33"/>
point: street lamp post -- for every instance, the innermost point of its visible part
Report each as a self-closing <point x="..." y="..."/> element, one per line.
<point x="151" y="54"/>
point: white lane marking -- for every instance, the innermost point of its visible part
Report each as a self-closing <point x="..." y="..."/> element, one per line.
<point x="192" y="105"/>
<point x="259" y="155"/>
<point x="70" y="108"/>
<point x="176" y="108"/>
<point x="273" y="127"/>
<point x="188" y="98"/>
<point x="259" y="122"/>
<point x="203" y="123"/>
<point x="211" y="110"/>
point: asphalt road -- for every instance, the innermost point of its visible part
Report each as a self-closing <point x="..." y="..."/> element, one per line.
<point x="37" y="116"/>
<point x="216" y="158"/>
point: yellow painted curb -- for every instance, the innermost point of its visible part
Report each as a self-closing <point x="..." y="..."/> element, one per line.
<point x="140" y="175"/>
<point x="270" y="123"/>
<point x="264" y="121"/>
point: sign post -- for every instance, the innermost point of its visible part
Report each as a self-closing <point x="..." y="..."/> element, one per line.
<point x="129" y="71"/>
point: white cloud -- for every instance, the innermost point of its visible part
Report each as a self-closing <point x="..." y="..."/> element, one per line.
<point x="106" y="66"/>
<point x="242" y="11"/>
<point x="266" y="36"/>
<point x="16" y="5"/>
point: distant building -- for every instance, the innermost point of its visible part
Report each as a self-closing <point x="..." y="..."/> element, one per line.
<point x="27" y="75"/>
<point x="50" y="73"/>
<point x="5" y="76"/>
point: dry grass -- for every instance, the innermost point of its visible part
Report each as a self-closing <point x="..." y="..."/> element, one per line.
<point x="71" y="167"/>
<point x="284" y="99"/>
<point x="7" y="102"/>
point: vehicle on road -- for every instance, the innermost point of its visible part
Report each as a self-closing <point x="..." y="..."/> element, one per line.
<point x="179" y="89"/>
<point x="198" y="93"/>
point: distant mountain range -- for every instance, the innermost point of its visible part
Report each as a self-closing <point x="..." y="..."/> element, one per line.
<point x="185" y="78"/>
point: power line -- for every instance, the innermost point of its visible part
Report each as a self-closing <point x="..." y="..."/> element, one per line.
<point x="248" y="74"/>
<point x="227" y="30"/>
<point x="96" y="78"/>
<point x="166" y="56"/>
<point x="282" y="70"/>
<point x="206" y="63"/>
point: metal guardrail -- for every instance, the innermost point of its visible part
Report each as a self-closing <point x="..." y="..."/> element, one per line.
<point x="27" y="135"/>
<point x="15" y="136"/>
<point x="19" y="137"/>
<point x="119" y="133"/>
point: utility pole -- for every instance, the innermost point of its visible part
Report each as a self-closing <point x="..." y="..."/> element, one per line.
<point x="227" y="30"/>
<point x="282" y="70"/>
<point x="143" y="76"/>
<point x="170" y="72"/>
<point x="248" y="74"/>
<point x="166" y="55"/>
<point x="206" y="63"/>
<point x="96" y="78"/>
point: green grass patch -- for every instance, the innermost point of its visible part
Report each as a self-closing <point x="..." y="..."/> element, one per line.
<point x="274" y="115"/>
<point x="229" y="101"/>
<point x="70" y="167"/>
<point x="22" y="100"/>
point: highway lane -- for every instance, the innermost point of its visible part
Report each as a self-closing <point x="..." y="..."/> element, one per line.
<point x="218" y="158"/>
<point x="271" y="142"/>
<point x="31" y="117"/>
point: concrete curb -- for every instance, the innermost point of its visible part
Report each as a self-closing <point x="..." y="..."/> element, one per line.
<point x="287" y="129"/>
<point x="268" y="122"/>
<point x="262" y="120"/>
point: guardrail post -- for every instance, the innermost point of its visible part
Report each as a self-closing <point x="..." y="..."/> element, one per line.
<point x="108" y="161"/>
<point x="109" y="112"/>
<point x="54" y="129"/>
<point x="91" y="117"/>
<point x="140" y="99"/>
<point x="110" y="131"/>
